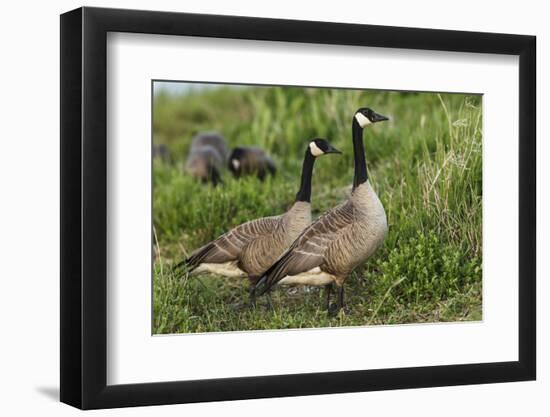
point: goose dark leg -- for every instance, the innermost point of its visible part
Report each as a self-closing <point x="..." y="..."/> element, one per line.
<point x="328" y="291"/>
<point x="340" y="299"/>
<point x="335" y="308"/>
<point x="252" y="296"/>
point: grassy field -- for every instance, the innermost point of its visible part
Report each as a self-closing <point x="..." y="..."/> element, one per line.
<point x="426" y="165"/>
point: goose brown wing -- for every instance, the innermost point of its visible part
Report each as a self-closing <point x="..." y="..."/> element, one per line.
<point x="228" y="246"/>
<point x="309" y="249"/>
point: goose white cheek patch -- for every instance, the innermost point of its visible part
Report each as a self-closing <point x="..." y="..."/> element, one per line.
<point x="236" y="163"/>
<point x="315" y="151"/>
<point x="362" y="119"/>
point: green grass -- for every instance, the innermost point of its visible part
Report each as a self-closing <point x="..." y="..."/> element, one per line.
<point x="426" y="165"/>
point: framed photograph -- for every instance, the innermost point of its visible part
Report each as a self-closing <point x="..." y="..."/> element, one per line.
<point x="257" y="208"/>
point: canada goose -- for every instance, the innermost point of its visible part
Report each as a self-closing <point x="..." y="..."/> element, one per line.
<point x="204" y="163"/>
<point x="331" y="247"/>
<point x="214" y="139"/>
<point x="251" y="161"/>
<point x="161" y="152"/>
<point x="249" y="249"/>
<point x="207" y="157"/>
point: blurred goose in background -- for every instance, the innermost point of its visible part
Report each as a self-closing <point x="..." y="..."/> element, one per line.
<point x="249" y="249"/>
<point x="330" y="248"/>
<point x="247" y="160"/>
<point x="207" y="157"/>
<point x="161" y="152"/>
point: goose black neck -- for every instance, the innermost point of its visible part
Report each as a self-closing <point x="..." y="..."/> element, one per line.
<point x="361" y="174"/>
<point x="304" y="194"/>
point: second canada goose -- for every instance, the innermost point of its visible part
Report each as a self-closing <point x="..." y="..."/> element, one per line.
<point x="214" y="139"/>
<point x="207" y="157"/>
<point x="161" y="152"/>
<point x="330" y="248"/>
<point x="248" y="160"/>
<point x="249" y="249"/>
<point x="205" y="164"/>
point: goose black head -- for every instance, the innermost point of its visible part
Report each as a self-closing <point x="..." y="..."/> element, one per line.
<point x="235" y="159"/>
<point x="366" y="116"/>
<point x="320" y="146"/>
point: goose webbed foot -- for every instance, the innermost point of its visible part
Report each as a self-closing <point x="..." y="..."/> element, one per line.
<point x="332" y="310"/>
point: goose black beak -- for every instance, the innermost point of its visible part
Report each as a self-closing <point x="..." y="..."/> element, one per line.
<point x="379" y="118"/>
<point x="332" y="149"/>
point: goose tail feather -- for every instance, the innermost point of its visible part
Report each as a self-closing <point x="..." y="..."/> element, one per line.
<point x="195" y="259"/>
<point x="262" y="286"/>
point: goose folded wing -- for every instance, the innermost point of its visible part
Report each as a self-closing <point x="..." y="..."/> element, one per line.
<point x="228" y="246"/>
<point x="309" y="249"/>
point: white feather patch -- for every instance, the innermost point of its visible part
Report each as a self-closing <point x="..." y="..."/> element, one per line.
<point x="228" y="269"/>
<point x="236" y="163"/>
<point x="315" y="151"/>
<point x="314" y="277"/>
<point x="362" y="119"/>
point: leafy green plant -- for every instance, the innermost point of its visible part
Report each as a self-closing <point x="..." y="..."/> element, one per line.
<point x="427" y="270"/>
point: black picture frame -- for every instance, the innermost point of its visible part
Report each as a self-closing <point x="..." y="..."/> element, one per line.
<point x="84" y="207"/>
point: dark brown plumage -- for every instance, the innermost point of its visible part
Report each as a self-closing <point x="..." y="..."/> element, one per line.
<point x="253" y="246"/>
<point x="330" y="248"/>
